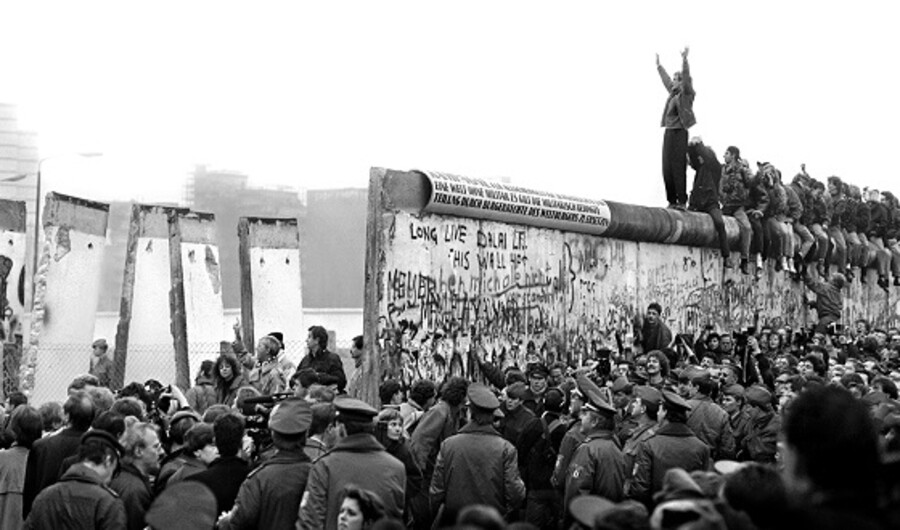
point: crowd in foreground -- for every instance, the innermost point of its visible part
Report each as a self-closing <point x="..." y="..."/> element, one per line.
<point x="769" y="429"/>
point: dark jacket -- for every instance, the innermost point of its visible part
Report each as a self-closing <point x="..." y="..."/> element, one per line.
<point x="134" y="490"/>
<point x="684" y="98"/>
<point x="202" y="395"/>
<point x="794" y="202"/>
<point x="778" y="205"/>
<point x="226" y="391"/>
<point x="224" y="477"/>
<point x="761" y="442"/>
<point x="673" y="445"/>
<point x="270" y="496"/>
<point x="477" y="466"/>
<point x="838" y="210"/>
<point x="757" y="195"/>
<point x="636" y="437"/>
<point x="879" y="219"/>
<point x="733" y="187"/>
<point x="598" y="468"/>
<point x="819" y="211"/>
<point x="708" y="172"/>
<point x="829" y="300"/>
<point x="328" y="367"/>
<point x="711" y="425"/>
<point x="103" y="371"/>
<point x="515" y="422"/>
<point x="78" y="501"/>
<point x="44" y="465"/>
<point x="439" y="423"/>
<point x="570" y="442"/>
<point x="357" y="459"/>
<point x="655" y="336"/>
<point x="538" y="448"/>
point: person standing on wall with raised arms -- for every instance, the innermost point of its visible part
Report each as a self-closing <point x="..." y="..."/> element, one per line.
<point x="678" y="117"/>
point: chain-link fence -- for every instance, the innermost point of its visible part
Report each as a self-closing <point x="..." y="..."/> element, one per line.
<point x="59" y="364"/>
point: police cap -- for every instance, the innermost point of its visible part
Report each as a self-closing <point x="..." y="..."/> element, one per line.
<point x="481" y="396"/>
<point x="735" y="390"/>
<point x="621" y="384"/>
<point x="291" y="416"/>
<point x="648" y="394"/>
<point x="759" y="396"/>
<point x="594" y="402"/>
<point x="586" y="509"/>
<point x="354" y="410"/>
<point x="674" y="401"/>
<point x="105" y="438"/>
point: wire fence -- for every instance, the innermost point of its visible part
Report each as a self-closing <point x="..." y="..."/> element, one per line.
<point x="59" y="364"/>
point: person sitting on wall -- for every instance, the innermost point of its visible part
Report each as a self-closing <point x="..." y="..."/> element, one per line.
<point x="734" y="192"/>
<point x="705" y="193"/>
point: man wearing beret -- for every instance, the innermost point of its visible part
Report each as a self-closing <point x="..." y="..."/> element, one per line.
<point x="707" y="419"/>
<point x="477" y="466"/>
<point x="356" y="459"/>
<point x="598" y="465"/>
<point x="87" y="481"/>
<point x="761" y="441"/>
<point x="673" y="445"/>
<point x="270" y="495"/>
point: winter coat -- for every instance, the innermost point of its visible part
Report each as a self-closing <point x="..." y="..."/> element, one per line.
<point x="134" y="490"/>
<point x="570" y="442"/>
<point x="328" y="367"/>
<point x="684" y="98"/>
<point x="226" y="391"/>
<point x="270" y="495"/>
<point x="761" y="443"/>
<point x="12" y="482"/>
<point x="598" y="468"/>
<point x="439" y="423"/>
<point x="477" y="466"/>
<point x="357" y="459"/>
<point x="44" y="464"/>
<point x="79" y="501"/>
<point x="757" y="195"/>
<point x="794" y="202"/>
<point x="202" y="395"/>
<point x="673" y="445"/>
<point x="268" y="379"/>
<point x="838" y="210"/>
<point x="879" y="219"/>
<point x="734" y="191"/>
<point x="778" y="205"/>
<point x="711" y="425"/>
<point x="708" y="173"/>
<point x="224" y="478"/>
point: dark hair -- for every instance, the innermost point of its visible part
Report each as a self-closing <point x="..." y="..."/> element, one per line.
<point x="651" y="409"/>
<point x="321" y="335"/>
<point x="757" y="490"/>
<point x="734" y="151"/>
<point x="421" y="391"/>
<point x="110" y="422"/>
<point x="16" y="398"/>
<point x="178" y="429"/>
<point x="358" y="427"/>
<point x="128" y="406"/>
<point x="80" y="410"/>
<point x="480" y="516"/>
<point x="817" y="364"/>
<point x="95" y="451"/>
<point x="554" y="400"/>
<point x="137" y="391"/>
<point x="454" y="391"/>
<point x="705" y="385"/>
<point x="358" y="342"/>
<point x="834" y="438"/>
<point x="215" y="412"/>
<point x="387" y="390"/>
<point x="82" y="381"/>
<point x="663" y="362"/>
<point x="887" y="386"/>
<point x="231" y="360"/>
<point x="676" y="415"/>
<point x="206" y="369"/>
<point x="370" y="504"/>
<point x="26" y="425"/>
<point x="481" y="416"/>
<point x="288" y="442"/>
<point x="51" y="415"/>
<point x="656" y="306"/>
<point x="323" y="415"/>
<point x="306" y="377"/>
<point x="514" y="375"/>
<point x="229" y="434"/>
<point x="198" y="436"/>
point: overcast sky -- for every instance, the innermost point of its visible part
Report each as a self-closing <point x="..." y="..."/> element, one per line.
<point x="560" y="96"/>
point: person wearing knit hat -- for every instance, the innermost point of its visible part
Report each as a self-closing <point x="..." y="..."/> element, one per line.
<point x="517" y="416"/>
<point x="356" y="458"/>
<point x="270" y="495"/>
<point x="477" y="465"/>
<point x="598" y="466"/>
<point x="673" y="445"/>
<point x="761" y="441"/>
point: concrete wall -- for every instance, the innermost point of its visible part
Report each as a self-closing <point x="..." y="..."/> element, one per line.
<point x="445" y="290"/>
<point x="13" y="249"/>
<point x="271" y="294"/>
<point x="67" y="289"/>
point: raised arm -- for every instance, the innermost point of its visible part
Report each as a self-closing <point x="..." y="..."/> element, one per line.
<point x="666" y="80"/>
<point x="686" y="82"/>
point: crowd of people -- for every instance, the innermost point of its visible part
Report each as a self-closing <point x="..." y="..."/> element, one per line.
<point x="768" y="428"/>
<point x="834" y="226"/>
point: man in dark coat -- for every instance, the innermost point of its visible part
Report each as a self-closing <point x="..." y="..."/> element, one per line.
<point x="598" y="466"/>
<point x="538" y="450"/>
<point x="761" y="441"/>
<point x="226" y="473"/>
<point x="655" y="334"/>
<point x="328" y="365"/>
<point x="270" y="497"/>
<point x="47" y="454"/>
<point x="477" y="466"/>
<point x="140" y="461"/>
<point x="707" y="419"/>
<point x="705" y="193"/>
<point x="678" y="117"/>
<point x="82" y="497"/>
<point x="356" y="459"/>
<point x="673" y="445"/>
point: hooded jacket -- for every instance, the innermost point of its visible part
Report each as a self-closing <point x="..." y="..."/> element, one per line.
<point x="684" y="97"/>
